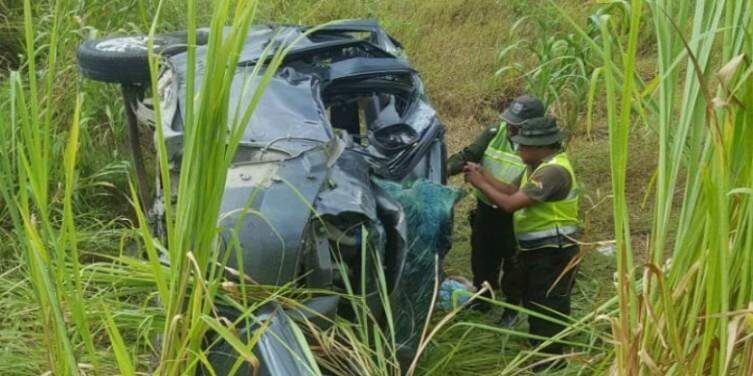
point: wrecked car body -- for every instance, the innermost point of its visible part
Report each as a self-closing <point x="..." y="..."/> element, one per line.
<point x="344" y="111"/>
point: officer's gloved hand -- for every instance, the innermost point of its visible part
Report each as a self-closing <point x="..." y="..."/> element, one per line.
<point x="455" y="165"/>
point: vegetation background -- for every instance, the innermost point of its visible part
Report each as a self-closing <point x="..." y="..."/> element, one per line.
<point x="453" y="43"/>
<point x="456" y="46"/>
<point x="474" y="56"/>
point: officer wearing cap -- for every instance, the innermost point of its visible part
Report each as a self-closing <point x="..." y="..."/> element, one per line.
<point x="492" y="238"/>
<point x="544" y="203"/>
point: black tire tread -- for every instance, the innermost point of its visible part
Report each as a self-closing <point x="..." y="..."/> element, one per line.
<point x="127" y="67"/>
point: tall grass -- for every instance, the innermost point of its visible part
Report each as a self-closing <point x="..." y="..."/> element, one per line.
<point x="683" y="311"/>
<point x="686" y="309"/>
<point x="560" y="72"/>
<point x="27" y="156"/>
<point x="187" y="288"/>
<point x="120" y="302"/>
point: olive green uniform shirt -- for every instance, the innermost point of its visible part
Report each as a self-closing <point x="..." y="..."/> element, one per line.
<point x="550" y="183"/>
<point x="473" y="152"/>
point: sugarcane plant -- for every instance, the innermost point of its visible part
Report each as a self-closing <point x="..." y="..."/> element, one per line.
<point x="188" y="283"/>
<point x="560" y="71"/>
<point x="686" y="307"/>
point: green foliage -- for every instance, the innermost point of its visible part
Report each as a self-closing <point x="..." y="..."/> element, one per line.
<point x="692" y="289"/>
<point x="95" y="303"/>
<point x="116" y="304"/>
<point x="47" y="230"/>
<point x="561" y="69"/>
<point x="211" y="136"/>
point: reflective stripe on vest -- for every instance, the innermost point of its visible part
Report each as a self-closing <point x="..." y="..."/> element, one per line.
<point x="549" y="219"/>
<point x="501" y="160"/>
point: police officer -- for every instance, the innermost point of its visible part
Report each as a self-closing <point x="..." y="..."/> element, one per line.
<point x="492" y="239"/>
<point x="545" y="205"/>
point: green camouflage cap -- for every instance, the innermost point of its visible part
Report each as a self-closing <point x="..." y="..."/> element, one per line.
<point x="538" y="131"/>
<point x="523" y="108"/>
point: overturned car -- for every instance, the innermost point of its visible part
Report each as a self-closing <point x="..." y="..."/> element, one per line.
<point x="343" y="149"/>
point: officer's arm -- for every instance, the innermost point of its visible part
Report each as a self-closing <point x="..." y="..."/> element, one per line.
<point x="508" y="202"/>
<point x="499" y="185"/>
<point x="476" y="169"/>
<point x="473" y="152"/>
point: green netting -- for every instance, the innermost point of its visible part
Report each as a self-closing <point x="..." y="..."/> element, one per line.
<point x="428" y="213"/>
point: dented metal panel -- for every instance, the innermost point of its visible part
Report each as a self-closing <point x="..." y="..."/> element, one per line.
<point x="301" y="195"/>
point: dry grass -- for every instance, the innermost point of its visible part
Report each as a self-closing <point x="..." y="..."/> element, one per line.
<point x="589" y="157"/>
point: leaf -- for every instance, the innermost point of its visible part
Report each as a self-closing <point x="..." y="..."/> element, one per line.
<point x="592" y="87"/>
<point x="650" y="87"/>
<point x="747" y="191"/>
<point x="501" y="55"/>
<point x="118" y="346"/>
<point x="728" y="70"/>
<point x="234" y="341"/>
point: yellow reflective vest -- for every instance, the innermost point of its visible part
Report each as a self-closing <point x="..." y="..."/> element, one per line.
<point x="548" y="220"/>
<point x="501" y="159"/>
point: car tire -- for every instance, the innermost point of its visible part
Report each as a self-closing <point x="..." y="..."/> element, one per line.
<point x="124" y="59"/>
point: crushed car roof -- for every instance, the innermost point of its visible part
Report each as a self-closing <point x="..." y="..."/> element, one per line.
<point x="290" y="105"/>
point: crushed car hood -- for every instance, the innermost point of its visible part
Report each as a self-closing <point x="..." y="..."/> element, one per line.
<point x="265" y="210"/>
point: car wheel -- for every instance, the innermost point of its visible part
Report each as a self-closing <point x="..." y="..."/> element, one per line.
<point x="125" y="59"/>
